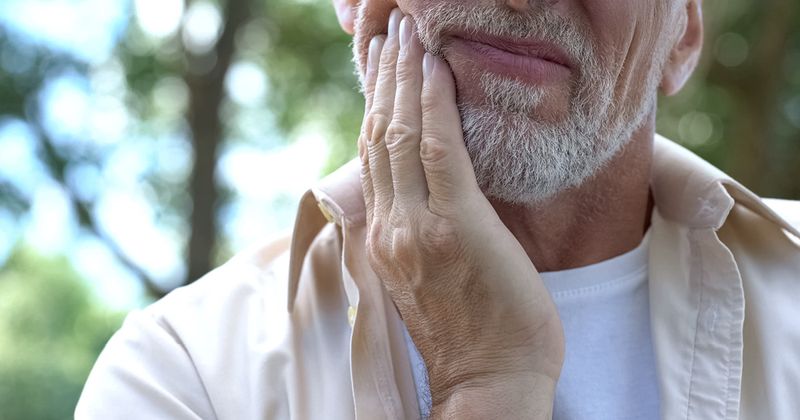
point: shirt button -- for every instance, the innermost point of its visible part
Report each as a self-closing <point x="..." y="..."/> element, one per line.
<point x="351" y="315"/>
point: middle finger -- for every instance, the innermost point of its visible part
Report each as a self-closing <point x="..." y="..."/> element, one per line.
<point x="403" y="137"/>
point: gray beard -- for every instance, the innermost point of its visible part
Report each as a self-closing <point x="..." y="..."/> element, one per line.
<point x="519" y="158"/>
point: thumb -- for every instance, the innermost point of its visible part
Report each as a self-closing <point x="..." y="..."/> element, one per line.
<point x="448" y="169"/>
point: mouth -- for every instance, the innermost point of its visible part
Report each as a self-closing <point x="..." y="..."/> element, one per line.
<point x="535" y="61"/>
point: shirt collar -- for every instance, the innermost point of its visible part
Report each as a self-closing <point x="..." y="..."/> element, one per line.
<point x="686" y="189"/>
<point x="691" y="191"/>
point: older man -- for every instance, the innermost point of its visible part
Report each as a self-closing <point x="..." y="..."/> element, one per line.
<point x="514" y="242"/>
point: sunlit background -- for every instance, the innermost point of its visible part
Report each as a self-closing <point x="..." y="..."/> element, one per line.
<point x="144" y="142"/>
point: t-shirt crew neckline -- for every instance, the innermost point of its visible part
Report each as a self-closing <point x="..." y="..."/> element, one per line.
<point x="607" y="274"/>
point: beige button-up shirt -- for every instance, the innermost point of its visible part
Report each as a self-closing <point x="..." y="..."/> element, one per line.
<point x="305" y="329"/>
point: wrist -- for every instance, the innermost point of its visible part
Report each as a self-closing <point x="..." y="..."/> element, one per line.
<point x="507" y="397"/>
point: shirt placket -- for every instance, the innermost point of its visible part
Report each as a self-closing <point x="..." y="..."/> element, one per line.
<point x="697" y="315"/>
<point x="380" y="370"/>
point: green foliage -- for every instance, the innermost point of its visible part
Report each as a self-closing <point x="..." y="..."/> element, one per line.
<point x="51" y="330"/>
<point x="308" y="60"/>
<point x="741" y="109"/>
<point x="21" y="78"/>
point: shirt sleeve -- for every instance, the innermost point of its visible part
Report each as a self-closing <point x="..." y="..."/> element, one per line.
<point x="144" y="372"/>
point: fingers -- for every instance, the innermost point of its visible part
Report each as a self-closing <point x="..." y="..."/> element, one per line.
<point x="412" y="147"/>
<point x="373" y="60"/>
<point x="378" y="119"/>
<point x="403" y="135"/>
<point x="447" y="166"/>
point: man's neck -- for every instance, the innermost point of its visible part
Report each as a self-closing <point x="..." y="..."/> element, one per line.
<point x="606" y="216"/>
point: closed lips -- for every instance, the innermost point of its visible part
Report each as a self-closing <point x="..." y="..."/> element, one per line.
<point x="526" y="48"/>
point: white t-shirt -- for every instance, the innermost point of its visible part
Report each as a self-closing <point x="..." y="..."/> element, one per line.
<point x="609" y="367"/>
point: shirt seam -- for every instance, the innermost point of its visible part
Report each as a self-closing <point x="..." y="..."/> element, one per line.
<point x="583" y="291"/>
<point x="735" y="300"/>
<point x="161" y="323"/>
<point x="702" y="277"/>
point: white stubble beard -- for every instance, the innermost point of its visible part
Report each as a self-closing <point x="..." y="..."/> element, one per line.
<point x="519" y="158"/>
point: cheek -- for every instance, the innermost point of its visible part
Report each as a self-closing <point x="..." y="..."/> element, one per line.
<point x="613" y="24"/>
<point x="375" y="16"/>
<point x="374" y="20"/>
<point x="627" y="35"/>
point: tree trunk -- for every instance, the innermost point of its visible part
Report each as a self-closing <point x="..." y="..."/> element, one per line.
<point x="205" y="98"/>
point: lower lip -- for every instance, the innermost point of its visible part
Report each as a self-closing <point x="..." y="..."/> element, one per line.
<point x="528" y="68"/>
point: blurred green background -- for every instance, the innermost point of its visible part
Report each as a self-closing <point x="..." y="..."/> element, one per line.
<point x="143" y="142"/>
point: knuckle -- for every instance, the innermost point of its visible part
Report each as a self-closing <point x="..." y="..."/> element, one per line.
<point x="407" y="265"/>
<point x="441" y="238"/>
<point x="404" y="247"/>
<point x="377" y="124"/>
<point x="401" y="133"/>
<point x="376" y="249"/>
<point x="432" y="150"/>
<point x="394" y="251"/>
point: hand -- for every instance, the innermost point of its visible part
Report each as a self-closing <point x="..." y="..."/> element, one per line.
<point x="471" y="299"/>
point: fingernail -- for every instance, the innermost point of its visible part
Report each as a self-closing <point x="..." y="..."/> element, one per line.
<point x="428" y="63"/>
<point x="374" y="55"/>
<point x="394" y="21"/>
<point x="405" y="32"/>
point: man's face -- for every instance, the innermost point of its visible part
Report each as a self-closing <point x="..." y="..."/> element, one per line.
<point x="548" y="93"/>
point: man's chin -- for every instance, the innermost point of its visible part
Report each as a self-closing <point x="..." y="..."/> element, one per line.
<point x="506" y="99"/>
<point x="522" y="160"/>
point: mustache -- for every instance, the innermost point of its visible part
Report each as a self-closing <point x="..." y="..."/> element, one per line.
<point x="540" y="23"/>
<point x="436" y="22"/>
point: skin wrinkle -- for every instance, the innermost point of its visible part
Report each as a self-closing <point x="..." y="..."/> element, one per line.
<point x="518" y="158"/>
<point x="627" y="64"/>
<point x="614" y="226"/>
